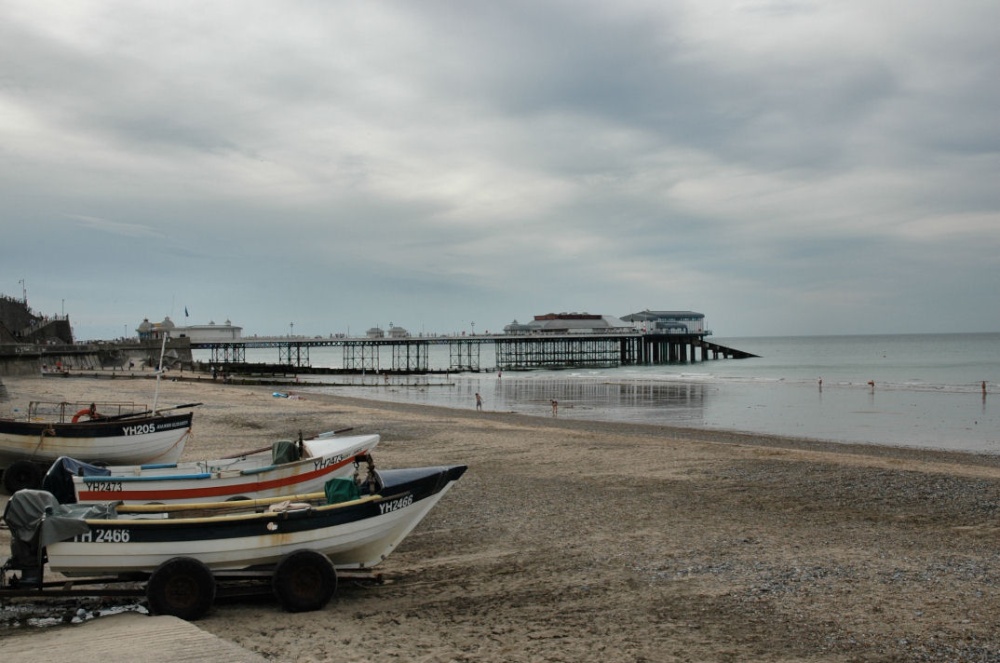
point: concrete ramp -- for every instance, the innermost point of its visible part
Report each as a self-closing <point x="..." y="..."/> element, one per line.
<point x="124" y="638"/>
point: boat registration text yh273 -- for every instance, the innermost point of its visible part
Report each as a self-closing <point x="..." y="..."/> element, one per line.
<point x="107" y="487"/>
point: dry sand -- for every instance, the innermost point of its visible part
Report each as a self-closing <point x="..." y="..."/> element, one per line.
<point x="577" y="541"/>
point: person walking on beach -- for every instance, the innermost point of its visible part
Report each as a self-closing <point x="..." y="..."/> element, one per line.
<point x="555" y="407"/>
<point x="479" y="401"/>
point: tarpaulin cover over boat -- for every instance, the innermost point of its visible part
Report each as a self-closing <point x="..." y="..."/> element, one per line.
<point x="36" y="519"/>
<point x="59" y="479"/>
<point x="285" y="451"/>
<point x="341" y="490"/>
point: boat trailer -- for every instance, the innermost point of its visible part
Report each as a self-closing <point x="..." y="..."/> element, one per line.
<point x="184" y="587"/>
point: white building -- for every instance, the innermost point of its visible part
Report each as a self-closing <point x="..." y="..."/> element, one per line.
<point x="667" y="322"/>
<point x="197" y="333"/>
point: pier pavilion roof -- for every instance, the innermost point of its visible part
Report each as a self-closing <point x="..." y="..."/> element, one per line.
<point x="647" y="315"/>
<point x="575" y="322"/>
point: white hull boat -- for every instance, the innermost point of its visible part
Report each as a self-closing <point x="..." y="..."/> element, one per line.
<point x="28" y="448"/>
<point x="182" y="548"/>
<point x="286" y="469"/>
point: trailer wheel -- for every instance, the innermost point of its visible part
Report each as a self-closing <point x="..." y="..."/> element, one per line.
<point x="22" y="474"/>
<point x="181" y="587"/>
<point x="304" y="580"/>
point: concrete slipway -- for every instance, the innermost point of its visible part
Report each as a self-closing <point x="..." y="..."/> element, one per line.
<point x="124" y="638"/>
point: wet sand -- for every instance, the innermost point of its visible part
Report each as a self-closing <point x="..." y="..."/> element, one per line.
<point x="582" y="541"/>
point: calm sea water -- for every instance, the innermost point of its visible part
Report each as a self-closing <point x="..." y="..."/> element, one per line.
<point x="927" y="390"/>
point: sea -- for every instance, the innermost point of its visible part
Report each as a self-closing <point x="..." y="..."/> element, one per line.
<point x="930" y="391"/>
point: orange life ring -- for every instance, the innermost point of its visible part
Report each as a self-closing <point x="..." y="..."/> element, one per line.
<point x="84" y="411"/>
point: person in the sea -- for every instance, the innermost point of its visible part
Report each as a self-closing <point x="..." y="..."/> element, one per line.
<point x="479" y="401"/>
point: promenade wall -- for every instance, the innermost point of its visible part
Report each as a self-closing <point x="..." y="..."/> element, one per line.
<point x="21" y="359"/>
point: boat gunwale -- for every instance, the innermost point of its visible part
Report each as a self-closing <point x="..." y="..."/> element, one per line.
<point x="111" y="523"/>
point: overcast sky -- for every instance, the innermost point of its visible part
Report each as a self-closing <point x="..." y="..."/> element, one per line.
<point x="784" y="167"/>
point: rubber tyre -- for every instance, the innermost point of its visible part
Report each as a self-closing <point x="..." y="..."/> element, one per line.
<point x="22" y="474"/>
<point x="181" y="587"/>
<point x="304" y="580"/>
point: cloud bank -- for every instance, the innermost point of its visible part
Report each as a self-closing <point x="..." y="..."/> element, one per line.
<point x="785" y="167"/>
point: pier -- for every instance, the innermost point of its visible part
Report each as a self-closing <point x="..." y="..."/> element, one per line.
<point x="513" y="351"/>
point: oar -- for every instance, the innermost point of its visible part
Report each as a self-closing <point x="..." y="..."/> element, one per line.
<point x="268" y="447"/>
<point x="177" y="407"/>
<point x="139" y="414"/>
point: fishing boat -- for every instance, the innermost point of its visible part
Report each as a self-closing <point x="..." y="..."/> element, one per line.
<point x="180" y="550"/>
<point x="107" y="433"/>
<point x="284" y="468"/>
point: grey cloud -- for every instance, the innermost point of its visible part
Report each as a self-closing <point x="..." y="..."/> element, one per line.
<point x="438" y="161"/>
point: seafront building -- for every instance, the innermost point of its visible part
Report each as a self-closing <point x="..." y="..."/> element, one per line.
<point x="210" y="333"/>
<point x="19" y="324"/>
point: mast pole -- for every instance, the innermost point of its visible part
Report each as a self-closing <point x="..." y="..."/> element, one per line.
<point x="159" y="371"/>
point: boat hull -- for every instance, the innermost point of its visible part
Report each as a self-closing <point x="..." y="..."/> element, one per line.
<point x="248" y="477"/>
<point x="156" y="439"/>
<point x="354" y="535"/>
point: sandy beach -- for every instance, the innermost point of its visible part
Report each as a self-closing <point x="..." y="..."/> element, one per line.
<point x="581" y="541"/>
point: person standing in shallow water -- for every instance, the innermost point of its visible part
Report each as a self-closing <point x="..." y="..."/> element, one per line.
<point x="479" y="401"/>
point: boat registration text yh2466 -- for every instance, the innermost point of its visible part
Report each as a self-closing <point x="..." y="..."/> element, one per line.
<point x="104" y="536"/>
<point x="394" y="505"/>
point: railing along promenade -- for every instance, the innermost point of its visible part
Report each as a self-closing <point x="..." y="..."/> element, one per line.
<point x="513" y="351"/>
